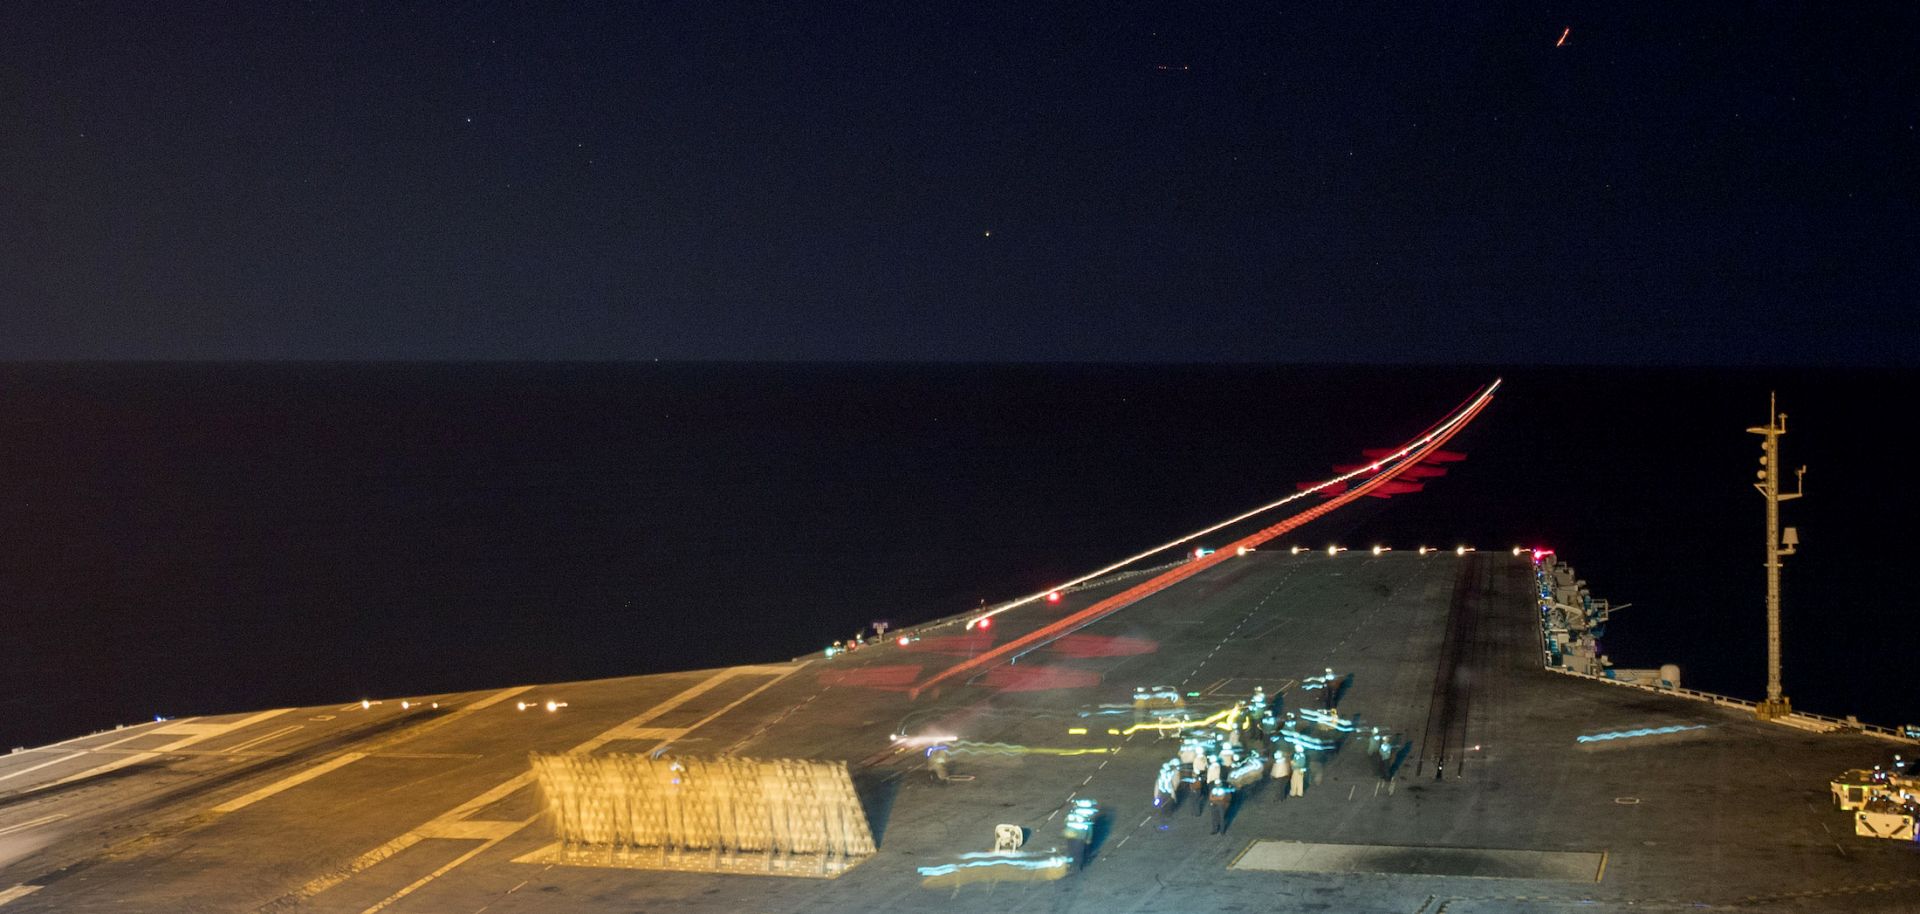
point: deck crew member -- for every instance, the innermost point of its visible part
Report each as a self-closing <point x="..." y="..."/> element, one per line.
<point x="1081" y="817"/>
<point x="1219" y="802"/>
<point x="937" y="762"/>
<point x="1166" y="786"/>
<point x="1282" y="773"/>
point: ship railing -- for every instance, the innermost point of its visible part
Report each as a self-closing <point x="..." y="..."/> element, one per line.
<point x="1802" y="719"/>
<point x="1854" y="723"/>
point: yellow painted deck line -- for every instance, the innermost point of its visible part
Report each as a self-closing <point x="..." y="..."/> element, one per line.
<point x="146" y="723"/>
<point x="705" y="686"/>
<point x="17" y="892"/>
<point x="431" y="724"/>
<point x="102" y="769"/>
<point x="457" y="756"/>
<point x="74" y="755"/>
<point x="782" y="674"/>
<point x="345" y="759"/>
<point x="199" y="735"/>
<point x="291" y="781"/>
<point x="472" y="829"/>
<point x="32" y="768"/>
<point x="204" y="732"/>
<point x="448" y="867"/>
<point x="447" y="824"/>
<point x="660" y="733"/>
<point x="443" y="825"/>
<point x="496" y="794"/>
<point x="490" y="700"/>
<point x="426" y="830"/>
<point x="492" y="833"/>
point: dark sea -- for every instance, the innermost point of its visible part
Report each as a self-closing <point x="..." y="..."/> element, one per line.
<point x="181" y="539"/>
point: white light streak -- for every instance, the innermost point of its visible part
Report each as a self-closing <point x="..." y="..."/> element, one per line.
<point x="1439" y="431"/>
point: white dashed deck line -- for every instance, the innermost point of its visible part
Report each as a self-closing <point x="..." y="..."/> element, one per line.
<point x="36" y="823"/>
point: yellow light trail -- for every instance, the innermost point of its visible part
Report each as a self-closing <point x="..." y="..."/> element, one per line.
<point x="964" y="746"/>
<point x="1222" y="719"/>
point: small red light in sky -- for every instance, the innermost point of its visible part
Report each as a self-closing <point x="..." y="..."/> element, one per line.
<point x="1563" y="37"/>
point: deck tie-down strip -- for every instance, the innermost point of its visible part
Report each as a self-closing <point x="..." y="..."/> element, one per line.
<point x="1497" y="863"/>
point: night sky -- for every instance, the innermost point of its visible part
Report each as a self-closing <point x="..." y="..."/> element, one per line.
<point x="1671" y="183"/>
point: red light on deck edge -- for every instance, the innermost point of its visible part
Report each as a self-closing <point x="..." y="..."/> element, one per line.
<point x="904" y="641"/>
<point x="1053" y="597"/>
<point x="986" y="622"/>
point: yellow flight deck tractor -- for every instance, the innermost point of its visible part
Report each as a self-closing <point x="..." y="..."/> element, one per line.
<point x="1889" y="815"/>
<point x="1852" y="790"/>
<point x="1884" y="804"/>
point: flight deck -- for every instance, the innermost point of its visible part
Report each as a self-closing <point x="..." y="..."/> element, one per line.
<point x="431" y="803"/>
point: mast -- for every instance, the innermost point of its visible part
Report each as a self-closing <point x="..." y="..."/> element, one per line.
<point x="1776" y="704"/>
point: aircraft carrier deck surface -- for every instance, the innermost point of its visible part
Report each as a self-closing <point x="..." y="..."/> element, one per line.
<point x="1500" y="807"/>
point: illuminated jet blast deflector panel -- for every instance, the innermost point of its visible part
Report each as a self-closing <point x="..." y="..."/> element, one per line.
<point x="777" y="817"/>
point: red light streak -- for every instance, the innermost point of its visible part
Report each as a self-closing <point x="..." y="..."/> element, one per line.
<point x="1425" y="448"/>
<point x="1330" y="489"/>
<point x="1563" y="37"/>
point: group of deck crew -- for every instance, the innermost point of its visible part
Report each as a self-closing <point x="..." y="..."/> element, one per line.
<point x="1257" y="741"/>
<point x="1226" y="754"/>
